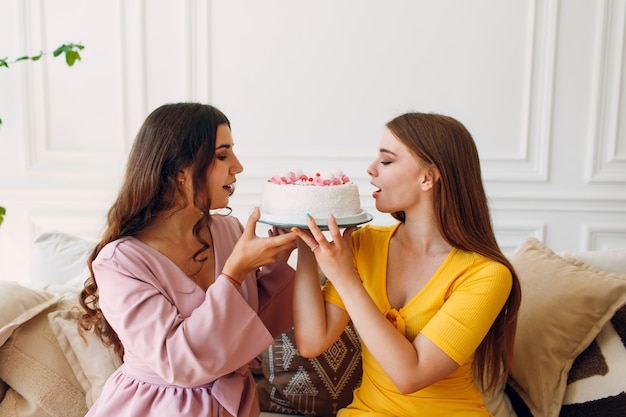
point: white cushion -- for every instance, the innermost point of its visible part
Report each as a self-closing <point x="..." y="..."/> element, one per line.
<point x="610" y="260"/>
<point x="59" y="257"/>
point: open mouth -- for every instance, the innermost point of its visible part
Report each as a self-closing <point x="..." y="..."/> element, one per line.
<point x="230" y="188"/>
<point x="376" y="191"/>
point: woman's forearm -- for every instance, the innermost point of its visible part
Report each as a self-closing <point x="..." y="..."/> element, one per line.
<point x="310" y="325"/>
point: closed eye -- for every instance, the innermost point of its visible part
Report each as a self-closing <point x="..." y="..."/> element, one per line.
<point x="222" y="151"/>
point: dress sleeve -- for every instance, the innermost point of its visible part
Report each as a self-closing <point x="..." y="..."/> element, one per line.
<point x="216" y="333"/>
<point x="275" y="284"/>
<point x="269" y="290"/>
<point x="467" y="314"/>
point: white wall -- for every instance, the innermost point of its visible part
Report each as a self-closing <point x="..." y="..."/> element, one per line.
<point x="310" y="83"/>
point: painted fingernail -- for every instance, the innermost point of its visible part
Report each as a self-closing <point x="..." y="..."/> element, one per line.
<point x="308" y="215"/>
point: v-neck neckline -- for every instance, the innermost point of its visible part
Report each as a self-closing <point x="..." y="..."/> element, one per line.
<point x="428" y="284"/>
<point x="167" y="258"/>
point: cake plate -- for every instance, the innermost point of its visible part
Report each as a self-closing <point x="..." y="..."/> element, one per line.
<point x="343" y="222"/>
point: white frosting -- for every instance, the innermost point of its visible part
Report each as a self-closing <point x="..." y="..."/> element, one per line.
<point x="290" y="203"/>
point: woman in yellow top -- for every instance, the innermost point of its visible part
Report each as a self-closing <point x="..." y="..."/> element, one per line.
<point x="432" y="297"/>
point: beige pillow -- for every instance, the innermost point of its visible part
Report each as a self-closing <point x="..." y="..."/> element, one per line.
<point x="565" y="304"/>
<point x="14" y="405"/>
<point x="498" y="403"/>
<point x="18" y="304"/>
<point x="91" y="361"/>
<point x="3" y="390"/>
<point x="33" y="365"/>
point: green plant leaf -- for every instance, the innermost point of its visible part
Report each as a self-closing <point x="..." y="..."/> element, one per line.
<point x="71" y="57"/>
<point x="59" y="50"/>
<point x="70" y="51"/>
<point x="3" y="211"/>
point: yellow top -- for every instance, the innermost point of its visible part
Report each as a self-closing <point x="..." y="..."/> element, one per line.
<point x="455" y="310"/>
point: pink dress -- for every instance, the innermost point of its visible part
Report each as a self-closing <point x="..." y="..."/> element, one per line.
<point x="187" y="352"/>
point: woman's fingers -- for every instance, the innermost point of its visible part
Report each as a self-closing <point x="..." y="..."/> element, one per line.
<point x="283" y="239"/>
<point x="315" y="237"/>
<point x="347" y="233"/>
<point x="250" y="229"/>
<point x="279" y="239"/>
<point x="320" y="239"/>
<point x="275" y="231"/>
<point x="305" y="236"/>
<point x="281" y="236"/>
<point x="333" y="228"/>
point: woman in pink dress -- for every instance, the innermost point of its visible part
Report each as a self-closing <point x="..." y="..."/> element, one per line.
<point x="188" y="298"/>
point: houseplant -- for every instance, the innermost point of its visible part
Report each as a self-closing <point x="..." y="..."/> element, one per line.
<point x="71" y="51"/>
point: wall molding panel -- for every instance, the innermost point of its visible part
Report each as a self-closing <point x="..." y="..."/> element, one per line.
<point x="511" y="235"/>
<point x="540" y="83"/>
<point x="554" y="202"/>
<point x="35" y="116"/>
<point x="531" y="163"/>
<point x="198" y="15"/>
<point x="608" y="134"/>
<point x="133" y="67"/>
<point x="42" y="157"/>
<point x="601" y="236"/>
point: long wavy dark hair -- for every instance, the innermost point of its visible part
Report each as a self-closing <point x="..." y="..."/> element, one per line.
<point x="173" y="137"/>
<point x="463" y="218"/>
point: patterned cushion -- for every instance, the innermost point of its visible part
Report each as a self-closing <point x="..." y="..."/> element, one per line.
<point x="311" y="386"/>
<point x="596" y="383"/>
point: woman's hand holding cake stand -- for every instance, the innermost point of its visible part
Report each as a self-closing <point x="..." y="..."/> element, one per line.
<point x="286" y="253"/>
<point x="335" y="256"/>
<point x="246" y="255"/>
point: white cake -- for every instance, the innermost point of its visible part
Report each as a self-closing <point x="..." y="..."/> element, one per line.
<point x="288" y="197"/>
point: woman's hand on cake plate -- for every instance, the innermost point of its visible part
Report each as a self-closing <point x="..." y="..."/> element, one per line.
<point x="251" y="252"/>
<point x="276" y="231"/>
<point x="335" y="256"/>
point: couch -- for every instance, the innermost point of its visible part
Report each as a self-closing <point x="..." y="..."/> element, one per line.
<point x="570" y="351"/>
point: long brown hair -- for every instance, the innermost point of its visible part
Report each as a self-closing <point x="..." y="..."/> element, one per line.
<point x="173" y="137"/>
<point x="463" y="218"/>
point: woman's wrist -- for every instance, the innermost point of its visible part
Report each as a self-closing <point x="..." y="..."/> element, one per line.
<point x="232" y="280"/>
